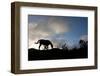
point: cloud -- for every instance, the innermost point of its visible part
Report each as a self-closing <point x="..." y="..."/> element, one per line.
<point x="58" y="25"/>
<point x="45" y="28"/>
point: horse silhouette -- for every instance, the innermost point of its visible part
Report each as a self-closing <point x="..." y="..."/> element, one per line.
<point x="45" y="43"/>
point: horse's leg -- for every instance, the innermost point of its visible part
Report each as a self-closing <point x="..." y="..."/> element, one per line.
<point x="51" y="45"/>
<point x="39" y="46"/>
<point x="44" y="47"/>
<point x="47" y="47"/>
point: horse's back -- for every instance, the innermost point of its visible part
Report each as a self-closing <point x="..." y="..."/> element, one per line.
<point x="45" y="41"/>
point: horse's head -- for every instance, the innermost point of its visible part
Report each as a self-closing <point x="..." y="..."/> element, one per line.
<point x="37" y="42"/>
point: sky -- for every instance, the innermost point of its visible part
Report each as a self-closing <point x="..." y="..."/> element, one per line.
<point x="58" y="29"/>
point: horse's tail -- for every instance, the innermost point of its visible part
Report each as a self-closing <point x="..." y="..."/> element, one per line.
<point x="37" y="42"/>
<point x="51" y="45"/>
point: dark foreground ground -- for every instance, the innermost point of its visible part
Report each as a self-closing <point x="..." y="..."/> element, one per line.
<point x="55" y="53"/>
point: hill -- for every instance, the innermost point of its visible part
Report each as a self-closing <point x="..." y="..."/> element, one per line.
<point x="56" y="53"/>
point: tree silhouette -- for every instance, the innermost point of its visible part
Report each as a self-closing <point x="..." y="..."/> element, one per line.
<point x="83" y="44"/>
<point x="64" y="47"/>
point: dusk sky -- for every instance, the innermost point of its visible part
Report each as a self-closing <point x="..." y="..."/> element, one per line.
<point x="58" y="29"/>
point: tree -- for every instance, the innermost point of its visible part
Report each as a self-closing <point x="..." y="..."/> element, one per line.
<point x="83" y="44"/>
<point x="64" y="46"/>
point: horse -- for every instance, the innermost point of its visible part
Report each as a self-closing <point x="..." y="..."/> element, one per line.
<point x="45" y="43"/>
